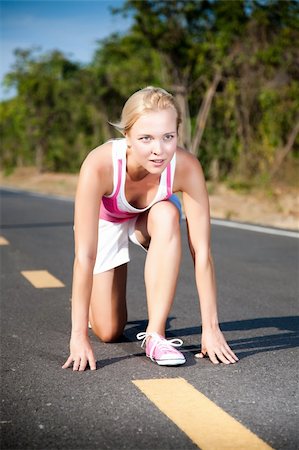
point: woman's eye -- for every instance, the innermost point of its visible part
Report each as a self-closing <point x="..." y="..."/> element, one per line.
<point x="168" y="137"/>
<point x="145" y="139"/>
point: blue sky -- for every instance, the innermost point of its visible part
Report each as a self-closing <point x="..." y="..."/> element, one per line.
<point x="72" y="26"/>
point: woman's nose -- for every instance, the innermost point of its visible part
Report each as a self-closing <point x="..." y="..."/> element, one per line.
<point x="157" y="148"/>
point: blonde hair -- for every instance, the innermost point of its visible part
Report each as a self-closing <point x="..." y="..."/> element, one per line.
<point x="143" y="101"/>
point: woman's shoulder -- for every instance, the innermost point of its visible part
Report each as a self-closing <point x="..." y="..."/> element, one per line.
<point x="185" y="159"/>
<point x="98" y="165"/>
<point x="98" y="168"/>
<point x="99" y="157"/>
<point x="188" y="169"/>
<point x="102" y="154"/>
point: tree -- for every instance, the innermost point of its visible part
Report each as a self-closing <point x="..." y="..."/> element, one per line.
<point x="15" y="148"/>
<point x="122" y="65"/>
<point x="266" y="73"/>
<point x="193" y="39"/>
<point x="219" y="57"/>
<point x="233" y="67"/>
<point x="48" y="90"/>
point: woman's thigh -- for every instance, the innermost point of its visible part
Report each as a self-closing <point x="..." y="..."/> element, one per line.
<point x="108" y="309"/>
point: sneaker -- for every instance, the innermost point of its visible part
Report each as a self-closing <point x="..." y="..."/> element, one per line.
<point x="160" y="350"/>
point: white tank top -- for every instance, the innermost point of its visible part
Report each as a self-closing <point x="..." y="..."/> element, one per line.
<point x="115" y="207"/>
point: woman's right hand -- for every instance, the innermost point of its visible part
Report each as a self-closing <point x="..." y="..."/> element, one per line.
<point x="80" y="354"/>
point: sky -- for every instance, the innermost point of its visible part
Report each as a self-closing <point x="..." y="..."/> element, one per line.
<point x="72" y="26"/>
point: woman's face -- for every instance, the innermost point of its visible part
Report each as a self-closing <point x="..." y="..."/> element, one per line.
<point x="152" y="140"/>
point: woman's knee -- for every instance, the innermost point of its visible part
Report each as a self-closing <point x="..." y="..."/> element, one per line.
<point x="108" y="310"/>
<point x="164" y="216"/>
<point x="108" y="333"/>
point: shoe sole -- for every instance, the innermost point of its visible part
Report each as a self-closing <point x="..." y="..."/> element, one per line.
<point x="169" y="362"/>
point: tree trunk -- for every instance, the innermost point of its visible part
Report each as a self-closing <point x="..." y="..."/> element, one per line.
<point x="203" y="113"/>
<point x="39" y="157"/>
<point x="181" y="96"/>
<point x="214" y="170"/>
<point x="282" y="153"/>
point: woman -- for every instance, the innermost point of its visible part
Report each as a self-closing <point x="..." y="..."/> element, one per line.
<point x="126" y="191"/>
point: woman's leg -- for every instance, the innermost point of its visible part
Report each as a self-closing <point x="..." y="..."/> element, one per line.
<point x="108" y="310"/>
<point x="160" y="231"/>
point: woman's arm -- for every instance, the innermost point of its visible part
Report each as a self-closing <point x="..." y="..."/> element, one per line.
<point x="190" y="180"/>
<point x="93" y="183"/>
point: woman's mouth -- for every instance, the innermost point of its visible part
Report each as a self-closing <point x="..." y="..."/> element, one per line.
<point x="157" y="162"/>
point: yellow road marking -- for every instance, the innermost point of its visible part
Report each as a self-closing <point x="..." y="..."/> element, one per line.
<point x="3" y="241"/>
<point x="205" y="423"/>
<point x="41" y="279"/>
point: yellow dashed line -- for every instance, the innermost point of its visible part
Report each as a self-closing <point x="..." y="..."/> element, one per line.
<point x="205" y="423"/>
<point x="42" y="279"/>
<point x="3" y="241"/>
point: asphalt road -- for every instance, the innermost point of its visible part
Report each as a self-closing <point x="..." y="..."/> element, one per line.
<point x="45" y="407"/>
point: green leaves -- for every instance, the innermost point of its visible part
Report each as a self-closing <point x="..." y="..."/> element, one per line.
<point x="232" y="65"/>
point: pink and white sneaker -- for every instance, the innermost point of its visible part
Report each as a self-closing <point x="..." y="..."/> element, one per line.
<point x="161" y="350"/>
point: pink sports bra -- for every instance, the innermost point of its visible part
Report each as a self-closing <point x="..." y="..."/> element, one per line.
<point x="115" y="207"/>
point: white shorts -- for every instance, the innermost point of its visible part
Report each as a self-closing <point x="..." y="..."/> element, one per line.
<point x="113" y="242"/>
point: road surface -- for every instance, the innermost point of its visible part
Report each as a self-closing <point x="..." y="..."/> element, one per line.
<point x="117" y="406"/>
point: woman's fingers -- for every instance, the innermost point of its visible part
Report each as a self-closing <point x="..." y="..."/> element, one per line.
<point x="76" y="364"/>
<point x="231" y="355"/>
<point x="202" y="353"/>
<point x="214" y="357"/>
<point x="82" y="364"/>
<point x="224" y="355"/>
<point x="79" y="364"/>
<point x="92" y="362"/>
<point x="211" y="355"/>
<point x="68" y="362"/>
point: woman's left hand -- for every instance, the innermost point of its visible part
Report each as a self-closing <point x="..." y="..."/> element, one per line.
<point x="214" y="345"/>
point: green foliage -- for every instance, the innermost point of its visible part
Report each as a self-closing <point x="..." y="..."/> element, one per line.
<point x="240" y="186"/>
<point x="126" y="64"/>
<point x="62" y="109"/>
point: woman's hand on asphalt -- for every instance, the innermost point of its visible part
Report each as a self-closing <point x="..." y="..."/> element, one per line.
<point x="214" y="345"/>
<point x="81" y="354"/>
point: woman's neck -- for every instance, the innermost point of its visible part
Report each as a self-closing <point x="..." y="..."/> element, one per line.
<point x="134" y="171"/>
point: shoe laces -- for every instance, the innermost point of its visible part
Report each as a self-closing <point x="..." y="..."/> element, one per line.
<point x="158" y="341"/>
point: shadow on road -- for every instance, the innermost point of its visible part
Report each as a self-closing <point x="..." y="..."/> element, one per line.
<point x="260" y="342"/>
<point x="107" y="362"/>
